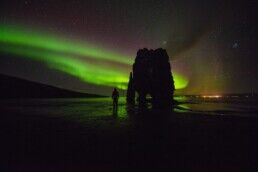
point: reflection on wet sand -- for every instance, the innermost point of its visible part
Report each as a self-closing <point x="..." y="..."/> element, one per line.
<point x="76" y="134"/>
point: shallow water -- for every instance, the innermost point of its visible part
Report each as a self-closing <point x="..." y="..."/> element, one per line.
<point x="219" y="106"/>
<point x="81" y="109"/>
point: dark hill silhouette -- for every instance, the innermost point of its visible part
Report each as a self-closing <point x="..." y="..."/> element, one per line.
<point x="12" y="87"/>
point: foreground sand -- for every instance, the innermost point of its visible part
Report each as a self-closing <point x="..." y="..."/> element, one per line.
<point x="147" y="141"/>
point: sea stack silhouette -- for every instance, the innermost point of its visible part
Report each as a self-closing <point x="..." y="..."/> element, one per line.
<point x="151" y="75"/>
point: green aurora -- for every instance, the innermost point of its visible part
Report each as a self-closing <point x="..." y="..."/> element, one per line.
<point x="71" y="57"/>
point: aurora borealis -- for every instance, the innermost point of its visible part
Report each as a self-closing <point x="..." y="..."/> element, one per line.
<point x="90" y="46"/>
<point x="51" y="50"/>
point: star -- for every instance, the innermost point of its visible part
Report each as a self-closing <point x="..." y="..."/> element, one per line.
<point x="26" y="2"/>
<point x="235" y="45"/>
<point x="164" y="42"/>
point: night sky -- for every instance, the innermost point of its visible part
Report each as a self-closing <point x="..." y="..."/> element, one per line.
<point x="90" y="45"/>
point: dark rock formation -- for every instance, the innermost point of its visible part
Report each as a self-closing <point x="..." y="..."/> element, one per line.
<point x="152" y="75"/>
<point x="130" y="95"/>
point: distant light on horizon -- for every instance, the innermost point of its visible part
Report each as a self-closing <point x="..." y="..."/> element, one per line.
<point x="211" y="96"/>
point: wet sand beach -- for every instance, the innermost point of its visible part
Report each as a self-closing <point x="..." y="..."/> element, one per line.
<point x="85" y="135"/>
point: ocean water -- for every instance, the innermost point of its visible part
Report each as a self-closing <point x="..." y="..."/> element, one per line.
<point x="84" y="109"/>
<point x="230" y="105"/>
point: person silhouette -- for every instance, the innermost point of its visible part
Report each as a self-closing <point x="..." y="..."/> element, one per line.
<point x="115" y="96"/>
